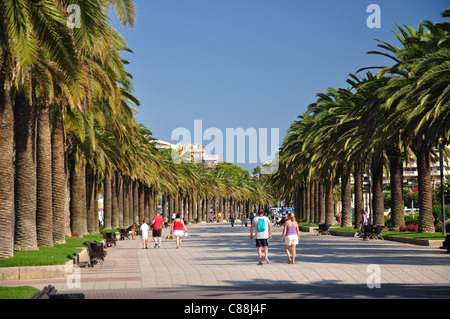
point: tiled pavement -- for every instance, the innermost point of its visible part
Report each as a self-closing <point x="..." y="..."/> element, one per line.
<point x="218" y="261"/>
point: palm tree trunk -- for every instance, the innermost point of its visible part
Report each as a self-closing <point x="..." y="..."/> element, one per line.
<point x="91" y="201"/>
<point x="316" y="202"/>
<point x="67" y="230"/>
<point x="171" y="208"/>
<point x="176" y="203"/>
<point x="165" y="202"/>
<point x="426" y="220"/>
<point x="44" y="214"/>
<point x="107" y="200"/>
<point x="205" y="211"/>
<point x="25" y="174"/>
<point x="215" y="205"/>
<point x="78" y="197"/>
<point x="312" y="209"/>
<point x="302" y="201"/>
<point x="180" y="204"/>
<point x="308" y="202"/>
<point x="186" y="208"/>
<point x="322" y="203"/>
<point x="222" y="207"/>
<point x="146" y="201"/>
<point x="141" y="198"/>
<point x="377" y="190"/>
<point x="6" y="165"/>
<point x="359" y="197"/>
<point x="126" y="202"/>
<point x="397" y="203"/>
<point x="346" y="194"/>
<point x="119" y="184"/>
<point x="190" y="208"/>
<point x="295" y="204"/>
<point x="114" y="201"/>
<point x="59" y="179"/>
<point x="329" y="202"/>
<point x="136" y="202"/>
<point x="199" y="209"/>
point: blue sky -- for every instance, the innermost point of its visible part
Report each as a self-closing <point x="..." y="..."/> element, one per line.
<point x="252" y="63"/>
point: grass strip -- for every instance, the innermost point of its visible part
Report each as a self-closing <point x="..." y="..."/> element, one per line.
<point x="59" y="254"/>
<point x="23" y="292"/>
<point x="386" y="232"/>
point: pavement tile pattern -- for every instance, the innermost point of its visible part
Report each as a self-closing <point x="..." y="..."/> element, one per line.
<point x="217" y="261"/>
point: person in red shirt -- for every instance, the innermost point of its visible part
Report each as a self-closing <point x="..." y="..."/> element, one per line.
<point x="157" y="229"/>
<point x="178" y="229"/>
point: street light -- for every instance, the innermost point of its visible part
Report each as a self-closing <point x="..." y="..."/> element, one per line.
<point x="441" y="159"/>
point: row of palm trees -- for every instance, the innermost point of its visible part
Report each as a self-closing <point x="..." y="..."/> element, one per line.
<point x="68" y="130"/>
<point x="54" y="80"/>
<point x="372" y="127"/>
<point x="189" y="189"/>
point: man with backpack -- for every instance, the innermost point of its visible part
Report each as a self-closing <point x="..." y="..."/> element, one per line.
<point x="263" y="232"/>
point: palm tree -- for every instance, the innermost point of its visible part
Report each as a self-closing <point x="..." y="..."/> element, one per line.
<point x="25" y="174"/>
<point x="44" y="209"/>
<point x="420" y="129"/>
<point x="59" y="178"/>
<point x="27" y="27"/>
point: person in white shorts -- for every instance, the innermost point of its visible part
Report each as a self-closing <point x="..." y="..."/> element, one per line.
<point x="144" y="234"/>
<point x="291" y="237"/>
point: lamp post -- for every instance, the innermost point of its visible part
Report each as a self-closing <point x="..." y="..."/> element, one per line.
<point x="441" y="159"/>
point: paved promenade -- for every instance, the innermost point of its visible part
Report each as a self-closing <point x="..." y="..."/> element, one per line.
<point x="218" y="261"/>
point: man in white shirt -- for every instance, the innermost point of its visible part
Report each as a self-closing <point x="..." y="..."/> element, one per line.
<point x="263" y="232"/>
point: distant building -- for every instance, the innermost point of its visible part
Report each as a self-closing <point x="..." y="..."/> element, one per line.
<point x="164" y="145"/>
<point x="410" y="174"/>
<point x="197" y="153"/>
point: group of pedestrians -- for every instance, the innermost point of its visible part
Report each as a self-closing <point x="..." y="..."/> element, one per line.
<point x="156" y="227"/>
<point x="263" y="233"/>
<point x="178" y="230"/>
<point x="260" y="224"/>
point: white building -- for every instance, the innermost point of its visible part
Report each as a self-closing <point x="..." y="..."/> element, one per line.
<point x="197" y="152"/>
<point x="164" y="145"/>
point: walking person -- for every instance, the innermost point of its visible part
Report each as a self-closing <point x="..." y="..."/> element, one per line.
<point x="178" y="230"/>
<point x="157" y="229"/>
<point x="144" y="234"/>
<point x="232" y="219"/>
<point x="291" y="237"/>
<point x="263" y="233"/>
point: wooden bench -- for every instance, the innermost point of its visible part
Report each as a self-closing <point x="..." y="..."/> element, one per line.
<point x="324" y="229"/>
<point x="50" y="292"/>
<point x="45" y="293"/>
<point x="96" y="253"/>
<point x="124" y="234"/>
<point x="110" y="238"/>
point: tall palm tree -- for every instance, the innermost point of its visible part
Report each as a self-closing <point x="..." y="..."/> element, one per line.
<point x="27" y="27"/>
<point x="420" y="128"/>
